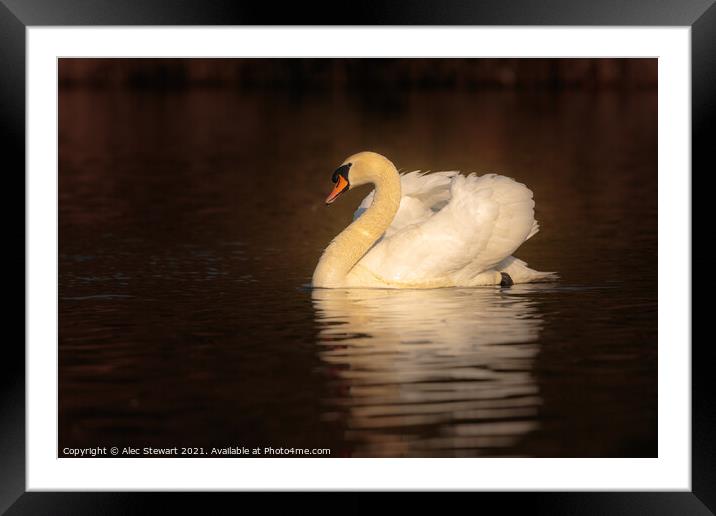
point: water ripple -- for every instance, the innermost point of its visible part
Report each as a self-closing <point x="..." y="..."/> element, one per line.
<point x="449" y="369"/>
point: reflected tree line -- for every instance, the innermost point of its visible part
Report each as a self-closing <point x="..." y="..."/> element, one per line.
<point x="441" y="74"/>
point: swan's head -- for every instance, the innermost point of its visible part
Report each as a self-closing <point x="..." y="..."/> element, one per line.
<point x="359" y="169"/>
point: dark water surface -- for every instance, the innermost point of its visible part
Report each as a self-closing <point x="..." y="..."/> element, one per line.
<point x="191" y="221"/>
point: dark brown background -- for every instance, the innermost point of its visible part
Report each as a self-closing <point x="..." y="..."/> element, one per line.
<point x="191" y="217"/>
<point x="320" y="74"/>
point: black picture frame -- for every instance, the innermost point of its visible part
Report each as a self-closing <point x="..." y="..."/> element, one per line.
<point x="17" y="15"/>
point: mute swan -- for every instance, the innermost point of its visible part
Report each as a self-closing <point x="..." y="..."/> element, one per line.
<point x="428" y="230"/>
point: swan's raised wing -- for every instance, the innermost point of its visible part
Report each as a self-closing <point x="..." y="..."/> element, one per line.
<point x="484" y="221"/>
<point x="422" y="195"/>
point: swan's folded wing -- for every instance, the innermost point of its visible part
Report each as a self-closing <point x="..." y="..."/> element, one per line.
<point x="485" y="220"/>
<point x="421" y="196"/>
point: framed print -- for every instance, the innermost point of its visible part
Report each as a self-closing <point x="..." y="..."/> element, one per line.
<point x="418" y="250"/>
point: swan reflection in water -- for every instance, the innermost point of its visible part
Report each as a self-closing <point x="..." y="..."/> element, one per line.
<point x="440" y="372"/>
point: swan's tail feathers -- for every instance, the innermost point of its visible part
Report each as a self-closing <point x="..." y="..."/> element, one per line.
<point x="533" y="231"/>
<point x="520" y="273"/>
<point x="538" y="277"/>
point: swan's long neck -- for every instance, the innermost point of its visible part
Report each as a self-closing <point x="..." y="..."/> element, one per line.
<point x="350" y="245"/>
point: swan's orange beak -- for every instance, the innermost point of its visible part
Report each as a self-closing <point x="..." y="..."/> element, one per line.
<point x="340" y="187"/>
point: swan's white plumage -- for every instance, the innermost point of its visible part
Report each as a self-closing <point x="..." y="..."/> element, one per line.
<point x="421" y="230"/>
<point x="422" y="196"/>
<point x="452" y="229"/>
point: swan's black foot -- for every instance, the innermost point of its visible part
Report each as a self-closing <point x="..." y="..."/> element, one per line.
<point x="506" y="280"/>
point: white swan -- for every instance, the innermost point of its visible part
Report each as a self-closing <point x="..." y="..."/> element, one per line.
<point x="428" y="230"/>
